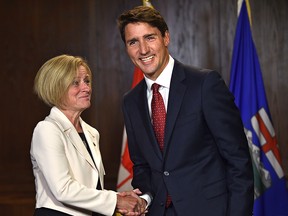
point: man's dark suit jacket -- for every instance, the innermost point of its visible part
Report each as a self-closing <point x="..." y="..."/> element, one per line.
<point x="205" y="166"/>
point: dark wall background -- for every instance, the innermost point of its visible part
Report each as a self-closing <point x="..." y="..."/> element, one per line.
<point x="202" y="34"/>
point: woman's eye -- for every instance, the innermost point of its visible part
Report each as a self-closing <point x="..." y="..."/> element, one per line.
<point x="87" y="81"/>
<point x="75" y="83"/>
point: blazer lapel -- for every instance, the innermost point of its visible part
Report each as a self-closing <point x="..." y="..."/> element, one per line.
<point x="95" y="150"/>
<point x="57" y="117"/>
<point x="79" y="145"/>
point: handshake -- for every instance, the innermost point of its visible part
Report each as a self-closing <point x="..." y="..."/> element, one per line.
<point x="129" y="203"/>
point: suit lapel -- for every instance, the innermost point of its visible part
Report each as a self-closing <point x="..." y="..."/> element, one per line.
<point x="141" y="101"/>
<point x="176" y="94"/>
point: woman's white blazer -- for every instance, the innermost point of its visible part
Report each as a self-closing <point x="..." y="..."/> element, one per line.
<point x="65" y="175"/>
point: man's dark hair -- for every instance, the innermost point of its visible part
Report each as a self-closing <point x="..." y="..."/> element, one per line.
<point x="141" y="14"/>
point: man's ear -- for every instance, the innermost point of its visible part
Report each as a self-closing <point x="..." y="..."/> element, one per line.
<point x="167" y="38"/>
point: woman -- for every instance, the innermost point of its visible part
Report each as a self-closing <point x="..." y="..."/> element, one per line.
<point x="65" y="154"/>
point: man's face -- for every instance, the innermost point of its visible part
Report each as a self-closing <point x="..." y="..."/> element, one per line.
<point x="147" y="49"/>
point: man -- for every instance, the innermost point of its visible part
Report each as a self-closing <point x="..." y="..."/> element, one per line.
<point x="204" y="168"/>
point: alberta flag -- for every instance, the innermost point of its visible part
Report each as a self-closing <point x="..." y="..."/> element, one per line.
<point x="270" y="192"/>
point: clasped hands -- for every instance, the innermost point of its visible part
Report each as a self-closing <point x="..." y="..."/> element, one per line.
<point x="129" y="203"/>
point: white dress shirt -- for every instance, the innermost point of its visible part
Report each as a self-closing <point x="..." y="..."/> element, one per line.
<point x="163" y="80"/>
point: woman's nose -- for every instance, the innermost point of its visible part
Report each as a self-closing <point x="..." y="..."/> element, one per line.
<point x="85" y="86"/>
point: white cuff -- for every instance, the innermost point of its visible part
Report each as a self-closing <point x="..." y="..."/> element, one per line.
<point x="148" y="199"/>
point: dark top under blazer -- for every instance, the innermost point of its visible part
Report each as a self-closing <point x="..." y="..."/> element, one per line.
<point x="205" y="166"/>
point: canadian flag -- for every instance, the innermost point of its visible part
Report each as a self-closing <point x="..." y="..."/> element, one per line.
<point x="125" y="174"/>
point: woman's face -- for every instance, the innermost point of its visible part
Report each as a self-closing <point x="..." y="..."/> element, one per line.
<point x="79" y="92"/>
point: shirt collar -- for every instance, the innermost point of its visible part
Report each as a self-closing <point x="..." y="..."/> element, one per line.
<point x="164" y="78"/>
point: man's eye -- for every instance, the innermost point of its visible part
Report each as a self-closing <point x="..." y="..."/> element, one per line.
<point x="132" y="43"/>
<point x="150" y="38"/>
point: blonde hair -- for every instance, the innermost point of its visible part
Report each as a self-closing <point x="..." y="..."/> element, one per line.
<point x="55" y="76"/>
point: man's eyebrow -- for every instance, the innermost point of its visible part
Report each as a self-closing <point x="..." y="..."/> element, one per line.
<point x="144" y="36"/>
<point x="148" y="35"/>
<point x="132" y="39"/>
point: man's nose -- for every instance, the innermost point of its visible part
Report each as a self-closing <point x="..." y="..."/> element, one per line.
<point x="143" y="48"/>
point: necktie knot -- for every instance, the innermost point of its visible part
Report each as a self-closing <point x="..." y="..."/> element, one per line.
<point x="155" y="87"/>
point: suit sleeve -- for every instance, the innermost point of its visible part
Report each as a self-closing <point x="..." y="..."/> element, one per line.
<point x="224" y="121"/>
<point x="141" y="169"/>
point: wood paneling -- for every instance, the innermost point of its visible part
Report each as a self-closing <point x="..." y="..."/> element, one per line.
<point x="202" y="34"/>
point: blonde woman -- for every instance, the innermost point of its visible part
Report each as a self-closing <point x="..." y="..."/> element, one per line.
<point x="67" y="164"/>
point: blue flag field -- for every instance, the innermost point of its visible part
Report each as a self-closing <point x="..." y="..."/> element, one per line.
<point x="246" y="83"/>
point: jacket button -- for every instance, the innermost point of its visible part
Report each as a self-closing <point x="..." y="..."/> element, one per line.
<point x="166" y="173"/>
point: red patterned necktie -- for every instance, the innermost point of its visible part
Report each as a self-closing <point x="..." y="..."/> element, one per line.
<point x="159" y="120"/>
<point x="158" y="115"/>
